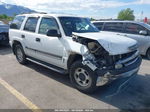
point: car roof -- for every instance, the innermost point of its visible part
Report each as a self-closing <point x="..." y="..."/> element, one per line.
<point x="47" y="15"/>
<point x="117" y="21"/>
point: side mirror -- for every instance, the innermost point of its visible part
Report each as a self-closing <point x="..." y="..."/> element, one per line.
<point x="12" y="25"/>
<point x="53" y="33"/>
<point x="143" y="32"/>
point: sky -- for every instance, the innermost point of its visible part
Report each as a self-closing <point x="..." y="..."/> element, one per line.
<point x="103" y="9"/>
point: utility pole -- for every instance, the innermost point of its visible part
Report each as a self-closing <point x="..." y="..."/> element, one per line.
<point x="142" y="16"/>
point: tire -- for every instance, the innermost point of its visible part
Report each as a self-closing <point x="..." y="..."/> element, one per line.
<point x="20" y="55"/>
<point x="148" y="54"/>
<point x="78" y="71"/>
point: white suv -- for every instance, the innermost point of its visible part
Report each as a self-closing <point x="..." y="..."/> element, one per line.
<point x="71" y="44"/>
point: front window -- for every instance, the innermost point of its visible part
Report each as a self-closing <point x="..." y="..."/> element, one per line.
<point x="31" y="24"/>
<point x="146" y="25"/>
<point x="76" y="24"/>
<point x="47" y="24"/>
<point x="133" y="28"/>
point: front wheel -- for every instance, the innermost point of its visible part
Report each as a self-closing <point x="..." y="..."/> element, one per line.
<point x="83" y="78"/>
<point x="20" y="55"/>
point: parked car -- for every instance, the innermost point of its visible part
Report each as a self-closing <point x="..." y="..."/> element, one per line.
<point x="135" y="30"/>
<point x="71" y="44"/>
<point x="4" y="40"/>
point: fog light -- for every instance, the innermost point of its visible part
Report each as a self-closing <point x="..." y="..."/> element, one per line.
<point x="118" y="66"/>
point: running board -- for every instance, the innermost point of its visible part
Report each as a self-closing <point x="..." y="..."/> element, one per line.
<point x="47" y="65"/>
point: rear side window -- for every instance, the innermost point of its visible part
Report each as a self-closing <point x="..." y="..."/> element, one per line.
<point x="133" y="28"/>
<point x="16" y="23"/>
<point x="114" y="27"/>
<point x="99" y="25"/>
<point x="47" y="24"/>
<point x="31" y="24"/>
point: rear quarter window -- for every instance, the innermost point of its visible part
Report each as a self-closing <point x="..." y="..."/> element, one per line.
<point x="17" y="22"/>
<point x="99" y="25"/>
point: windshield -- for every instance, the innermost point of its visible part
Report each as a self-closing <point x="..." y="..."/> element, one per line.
<point x="76" y="24"/>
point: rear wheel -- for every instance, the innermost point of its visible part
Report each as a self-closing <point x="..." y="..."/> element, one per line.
<point x="83" y="78"/>
<point x="20" y="55"/>
<point x="148" y="54"/>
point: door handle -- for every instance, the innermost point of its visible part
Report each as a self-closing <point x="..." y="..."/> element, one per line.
<point x="38" y="39"/>
<point x="22" y="36"/>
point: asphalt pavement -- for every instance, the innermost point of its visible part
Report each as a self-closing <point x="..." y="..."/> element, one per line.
<point x="33" y="86"/>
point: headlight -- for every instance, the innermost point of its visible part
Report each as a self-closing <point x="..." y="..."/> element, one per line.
<point x="118" y="66"/>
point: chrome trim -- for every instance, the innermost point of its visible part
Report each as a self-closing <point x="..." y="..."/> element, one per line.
<point x="103" y="80"/>
<point x="131" y="62"/>
<point x="128" y="59"/>
<point x="44" y="65"/>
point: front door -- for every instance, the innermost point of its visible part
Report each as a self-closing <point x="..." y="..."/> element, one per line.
<point x="50" y="49"/>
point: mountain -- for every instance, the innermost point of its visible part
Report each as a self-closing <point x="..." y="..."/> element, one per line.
<point x="11" y="10"/>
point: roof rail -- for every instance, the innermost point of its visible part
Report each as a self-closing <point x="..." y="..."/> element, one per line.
<point x="34" y="13"/>
<point x="42" y="12"/>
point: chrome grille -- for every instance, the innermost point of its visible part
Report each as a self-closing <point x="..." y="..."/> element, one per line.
<point x="129" y="57"/>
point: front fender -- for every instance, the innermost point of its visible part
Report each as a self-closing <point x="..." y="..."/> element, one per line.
<point x="75" y="47"/>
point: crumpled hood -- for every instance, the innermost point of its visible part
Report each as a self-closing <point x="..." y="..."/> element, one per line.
<point x="114" y="44"/>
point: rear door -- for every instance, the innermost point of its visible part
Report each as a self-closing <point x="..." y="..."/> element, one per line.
<point x="28" y="33"/>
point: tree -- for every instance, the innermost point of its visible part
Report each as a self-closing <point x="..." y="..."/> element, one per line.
<point x="126" y="14"/>
<point x="5" y="18"/>
<point x="92" y="19"/>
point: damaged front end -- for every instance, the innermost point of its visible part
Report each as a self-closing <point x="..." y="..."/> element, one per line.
<point x="108" y="67"/>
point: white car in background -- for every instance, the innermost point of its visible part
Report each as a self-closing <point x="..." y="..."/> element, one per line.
<point x="136" y="30"/>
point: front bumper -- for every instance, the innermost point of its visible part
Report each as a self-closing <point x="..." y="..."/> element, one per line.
<point x="125" y="72"/>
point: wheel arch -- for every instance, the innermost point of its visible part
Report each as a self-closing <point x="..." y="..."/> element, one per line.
<point x="15" y="42"/>
<point x="147" y="50"/>
<point x="72" y="58"/>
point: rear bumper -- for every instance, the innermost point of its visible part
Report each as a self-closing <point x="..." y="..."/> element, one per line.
<point x="125" y="72"/>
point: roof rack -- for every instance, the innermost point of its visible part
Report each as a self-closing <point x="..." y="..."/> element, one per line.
<point x="34" y="13"/>
<point x="42" y="12"/>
